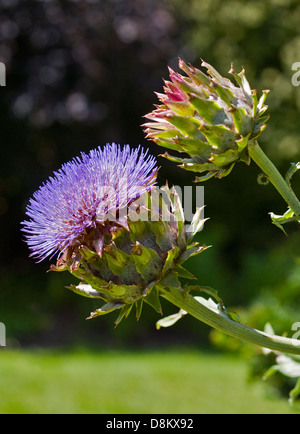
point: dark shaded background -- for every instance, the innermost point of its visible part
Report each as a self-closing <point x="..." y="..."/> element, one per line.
<point x="82" y="74"/>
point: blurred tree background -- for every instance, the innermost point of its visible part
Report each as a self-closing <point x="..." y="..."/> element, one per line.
<point x="82" y="73"/>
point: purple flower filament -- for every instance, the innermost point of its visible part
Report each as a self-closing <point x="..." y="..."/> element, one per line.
<point x="84" y="193"/>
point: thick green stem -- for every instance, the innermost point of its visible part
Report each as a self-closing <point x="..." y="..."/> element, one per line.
<point x="260" y="158"/>
<point x="221" y="322"/>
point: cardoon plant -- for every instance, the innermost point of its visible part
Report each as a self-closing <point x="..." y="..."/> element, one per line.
<point x="101" y="215"/>
<point x="217" y="124"/>
<point x="209" y="118"/>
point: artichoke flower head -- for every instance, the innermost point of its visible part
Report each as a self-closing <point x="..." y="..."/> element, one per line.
<point x="207" y="117"/>
<point x="110" y="228"/>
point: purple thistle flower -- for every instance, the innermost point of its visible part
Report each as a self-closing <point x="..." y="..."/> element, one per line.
<point x="83" y="194"/>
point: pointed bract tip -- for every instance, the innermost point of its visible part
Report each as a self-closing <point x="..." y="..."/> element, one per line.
<point x="231" y="70"/>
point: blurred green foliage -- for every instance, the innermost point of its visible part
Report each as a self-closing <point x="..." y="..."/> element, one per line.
<point x="81" y="74"/>
<point x="136" y="382"/>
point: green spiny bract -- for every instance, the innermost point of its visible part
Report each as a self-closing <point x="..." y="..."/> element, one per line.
<point x="126" y="264"/>
<point x="209" y="118"/>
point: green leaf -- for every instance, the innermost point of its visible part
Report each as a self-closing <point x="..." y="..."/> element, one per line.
<point x="195" y="74"/>
<point x="170" y="320"/>
<point x="137" y="229"/>
<point x="208" y="110"/>
<point x="255" y="101"/>
<point x="258" y="129"/>
<point x="192" y="250"/>
<point x="174" y="159"/>
<point x="203" y="178"/>
<point x="129" y="293"/>
<point x="125" y="311"/>
<point x="181" y="108"/>
<point x="242" y="121"/>
<point x="225" y="82"/>
<point x="225" y="171"/>
<point x="186" y="85"/>
<point x="187" y="125"/>
<point x="182" y="272"/>
<point x="170" y="144"/>
<point x="171" y="259"/>
<point x="224" y="93"/>
<point x="148" y="263"/>
<point x="245" y="84"/>
<point x="197" y="148"/>
<point x="168" y="134"/>
<point x="170" y="281"/>
<point x="244" y="156"/>
<point x="242" y="143"/>
<point x="225" y="158"/>
<point x="192" y="166"/>
<point x="162" y="238"/>
<point x="87" y="253"/>
<point x="118" y="291"/>
<point x="270" y="372"/>
<point x="117" y="259"/>
<point x="139" y="308"/>
<point x="85" y="290"/>
<point x="261" y="107"/>
<point x="262" y="120"/>
<point x="107" y="308"/>
<point x="279" y="220"/>
<point x="220" y="136"/>
<point x="153" y="300"/>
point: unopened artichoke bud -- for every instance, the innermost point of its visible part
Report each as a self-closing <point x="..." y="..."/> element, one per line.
<point x="207" y="117"/>
<point x="111" y="229"/>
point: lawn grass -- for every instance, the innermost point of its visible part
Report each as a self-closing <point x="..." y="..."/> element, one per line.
<point x="177" y="382"/>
